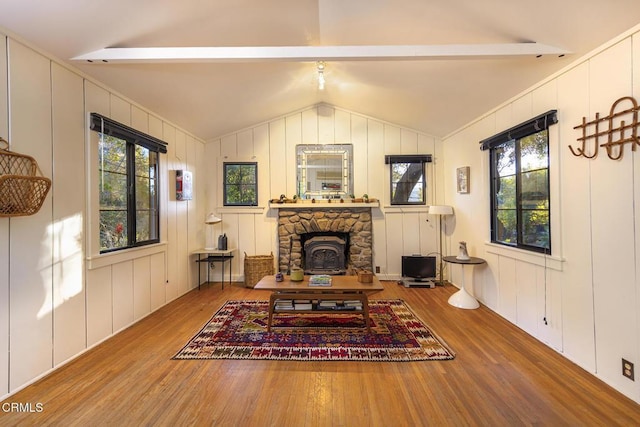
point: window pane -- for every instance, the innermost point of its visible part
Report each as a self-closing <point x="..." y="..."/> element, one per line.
<point x="142" y="161"/>
<point x="232" y="174"/>
<point x="506" y="227"/>
<point x="506" y="194"/>
<point x="248" y="195"/>
<point x="241" y="184"/>
<point x="145" y="178"/>
<point x="534" y="152"/>
<point x="506" y="159"/>
<point x="112" y="154"/>
<point x="248" y="174"/>
<point x="146" y="227"/>
<point x="535" y="190"/>
<point x="114" y="191"/>
<point x="536" y="228"/>
<point x="397" y="170"/>
<point x="520" y="191"/>
<point x="233" y="195"/>
<point x="112" y="181"/>
<point x="113" y="229"/>
<point x="112" y="169"/>
<point x="128" y="193"/>
<point x="407" y="183"/>
<point x="146" y="194"/>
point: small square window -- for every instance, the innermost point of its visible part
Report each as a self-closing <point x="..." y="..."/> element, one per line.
<point x="240" y="184"/>
<point x="408" y="186"/>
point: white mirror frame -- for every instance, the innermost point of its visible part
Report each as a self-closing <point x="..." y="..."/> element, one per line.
<point x="310" y="186"/>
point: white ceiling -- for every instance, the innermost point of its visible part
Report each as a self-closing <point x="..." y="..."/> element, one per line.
<point x="212" y="99"/>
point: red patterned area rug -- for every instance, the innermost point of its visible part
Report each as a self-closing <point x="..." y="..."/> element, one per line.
<point x="239" y="331"/>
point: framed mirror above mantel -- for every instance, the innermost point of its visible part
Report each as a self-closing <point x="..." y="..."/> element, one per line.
<point x="324" y="171"/>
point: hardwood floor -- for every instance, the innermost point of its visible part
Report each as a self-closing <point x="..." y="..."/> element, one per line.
<point x="500" y="377"/>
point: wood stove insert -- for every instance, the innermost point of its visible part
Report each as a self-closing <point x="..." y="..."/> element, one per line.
<point x="325" y="252"/>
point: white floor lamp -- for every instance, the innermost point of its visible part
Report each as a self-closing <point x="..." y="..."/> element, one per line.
<point x="211" y="219"/>
<point x="441" y="210"/>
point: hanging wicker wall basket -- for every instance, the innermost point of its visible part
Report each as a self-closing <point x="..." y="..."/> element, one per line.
<point x="22" y="186"/>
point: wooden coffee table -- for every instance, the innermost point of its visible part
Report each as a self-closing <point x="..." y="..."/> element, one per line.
<point x="343" y="288"/>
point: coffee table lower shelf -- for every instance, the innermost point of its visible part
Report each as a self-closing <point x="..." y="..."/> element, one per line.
<point x="330" y="296"/>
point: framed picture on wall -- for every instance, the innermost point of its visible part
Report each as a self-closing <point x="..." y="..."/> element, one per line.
<point x="462" y="179"/>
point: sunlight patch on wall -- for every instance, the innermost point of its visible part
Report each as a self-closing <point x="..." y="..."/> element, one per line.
<point x="67" y="268"/>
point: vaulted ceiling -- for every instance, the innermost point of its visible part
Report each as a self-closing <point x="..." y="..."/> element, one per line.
<point x="434" y="96"/>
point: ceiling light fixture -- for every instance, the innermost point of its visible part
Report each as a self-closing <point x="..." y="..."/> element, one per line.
<point x="316" y="53"/>
<point x="320" y="65"/>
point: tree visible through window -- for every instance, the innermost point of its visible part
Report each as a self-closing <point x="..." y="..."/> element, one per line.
<point x="128" y="163"/>
<point x="520" y="189"/>
<point x="128" y="194"/>
<point x="407" y="183"/>
<point x="408" y="179"/>
<point x="240" y="184"/>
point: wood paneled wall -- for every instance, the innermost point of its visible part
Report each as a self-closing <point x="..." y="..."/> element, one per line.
<point x="588" y="289"/>
<point x="58" y="295"/>
<point x="396" y="231"/>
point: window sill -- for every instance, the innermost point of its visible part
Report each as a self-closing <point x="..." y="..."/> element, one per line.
<point x="104" y="260"/>
<point x="406" y="208"/>
<point x="542" y="260"/>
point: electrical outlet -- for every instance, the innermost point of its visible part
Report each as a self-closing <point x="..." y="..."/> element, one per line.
<point x="627" y="369"/>
<point x="377" y="269"/>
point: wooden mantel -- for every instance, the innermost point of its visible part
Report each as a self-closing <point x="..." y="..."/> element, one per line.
<point x="323" y="205"/>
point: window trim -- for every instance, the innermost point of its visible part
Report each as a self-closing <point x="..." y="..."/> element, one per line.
<point x="103" y="125"/>
<point x="537" y="124"/>
<point x="408" y="158"/>
<point x="224" y="183"/>
<point x="107" y="126"/>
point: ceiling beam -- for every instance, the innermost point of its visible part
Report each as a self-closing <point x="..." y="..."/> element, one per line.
<point x="316" y="53"/>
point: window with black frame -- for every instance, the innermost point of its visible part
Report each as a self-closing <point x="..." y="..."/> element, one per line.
<point x="128" y="183"/>
<point x="520" y="208"/>
<point x="408" y="179"/>
<point x="240" y="183"/>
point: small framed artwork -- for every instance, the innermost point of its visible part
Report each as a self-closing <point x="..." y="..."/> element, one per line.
<point x="462" y="179"/>
<point x="184" y="185"/>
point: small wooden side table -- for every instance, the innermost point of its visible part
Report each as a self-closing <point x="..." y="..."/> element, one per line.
<point x="462" y="298"/>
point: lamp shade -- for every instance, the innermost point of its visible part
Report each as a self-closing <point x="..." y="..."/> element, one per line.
<point x="440" y="210"/>
<point x="212" y="219"/>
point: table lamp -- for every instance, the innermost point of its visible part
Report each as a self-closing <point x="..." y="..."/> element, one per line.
<point x="441" y="210"/>
<point x="211" y="219"/>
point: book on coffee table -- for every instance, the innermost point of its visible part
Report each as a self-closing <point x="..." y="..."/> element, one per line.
<point x="320" y="280"/>
<point x="327" y="304"/>
<point x="283" y="304"/>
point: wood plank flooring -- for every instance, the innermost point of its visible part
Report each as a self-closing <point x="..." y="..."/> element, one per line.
<point x="500" y="377"/>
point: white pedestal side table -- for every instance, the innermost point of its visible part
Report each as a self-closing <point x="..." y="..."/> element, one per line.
<point x="462" y="298"/>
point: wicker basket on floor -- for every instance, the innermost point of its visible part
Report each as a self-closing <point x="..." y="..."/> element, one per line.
<point x="22" y="186"/>
<point x="256" y="267"/>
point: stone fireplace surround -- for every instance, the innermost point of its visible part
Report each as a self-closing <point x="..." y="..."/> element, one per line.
<point x="356" y="222"/>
